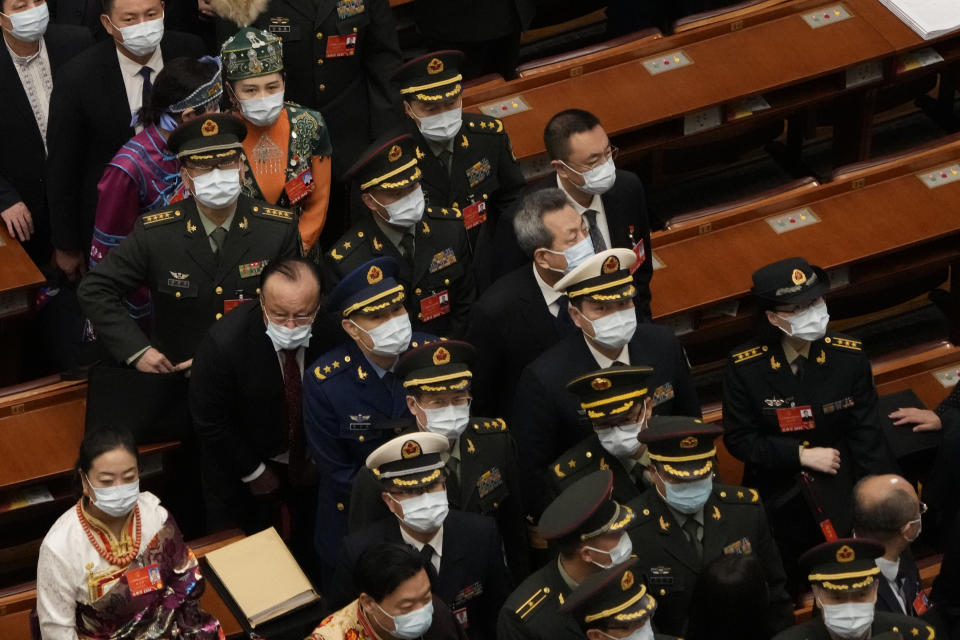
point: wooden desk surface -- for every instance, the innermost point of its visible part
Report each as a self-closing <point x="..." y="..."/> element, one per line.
<point x="18" y="270"/>
<point x="855" y="226"/>
<point x="756" y="59"/>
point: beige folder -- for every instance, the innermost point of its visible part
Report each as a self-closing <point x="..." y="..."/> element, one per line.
<point x="262" y="576"/>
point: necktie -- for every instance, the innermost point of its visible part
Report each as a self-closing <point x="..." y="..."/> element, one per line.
<point x="453" y="480"/>
<point x="563" y="315"/>
<point x="801" y="363"/>
<point x="219" y="236"/>
<point x="147" y="86"/>
<point x="692" y="528"/>
<point x="292" y="388"/>
<point x="406" y="246"/>
<point x="595" y="236"/>
<point x="426" y="553"/>
<point x="444" y="158"/>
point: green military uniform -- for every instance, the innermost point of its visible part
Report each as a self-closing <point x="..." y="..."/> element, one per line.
<point x="171" y="252"/>
<point x="438" y="278"/>
<point x="732" y="520"/>
<point x="582" y="512"/>
<point x="475" y="169"/>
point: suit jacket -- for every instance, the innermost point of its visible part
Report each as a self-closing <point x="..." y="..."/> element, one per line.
<point x="488" y="484"/>
<point x="89" y="121"/>
<point x="758" y="385"/>
<point x="237" y="397"/>
<point x="441" y="262"/>
<point x="472" y="574"/>
<point x="548" y="419"/>
<point x="625" y="207"/>
<point x="814" y="629"/>
<point x="733" y="522"/>
<point x="169" y="252"/>
<point x="473" y="20"/>
<point x="511" y="326"/>
<point x="908" y="572"/>
<point x="23" y="155"/>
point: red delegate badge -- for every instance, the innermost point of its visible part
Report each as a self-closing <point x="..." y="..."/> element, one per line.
<point x="795" y="419"/>
<point x="640" y="251"/>
<point x="299" y="187"/>
<point x="230" y="305"/>
<point x="435" y="306"/>
<point x="341" y="46"/>
<point x="475" y="214"/>
<point x="144" y="580"/>
<point x="921" y="604"/>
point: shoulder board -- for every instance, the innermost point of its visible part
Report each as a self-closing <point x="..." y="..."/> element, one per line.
<point x="489" y="425"/>
<point x="530" y="604"/>
<point x="273" y="213"/>
<point x="748" y="354"/>
<point x="914" y="631"/>
<point x="443" y="213"/>
<point x="331" y="363"/>
<point x="158" y="218"/>
<point x="582" y="456"/>
<point x="737" y="495"/>
<point x="843" y="343"/>
<point x="349" y="242"/>
<point x="482" y="124"/>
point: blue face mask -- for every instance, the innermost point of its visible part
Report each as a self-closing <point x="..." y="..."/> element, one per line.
<point x="412" y="624"/>
<point x="575" y="255"/>
<point x="688" y="497"/>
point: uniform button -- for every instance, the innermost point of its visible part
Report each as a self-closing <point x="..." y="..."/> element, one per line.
<point x="420" y="315"/>
<point x="258" y="290"/>
<point x="319" y="60"/>
<point x="354" y="29"/>
<point x="177" y="294"/>
<point x="446" y="281"/>
<point x="321" y="87"/>
<point x="360" y="438"/>
<point x="496" y="505"/>
<point x="417" y="291"/>
<point x="663" y="592"/>
<point x="319" y="34"/>
<point x="219" y="315"/>
<point x="219" y="291"/>
<point x="339" y="506"/>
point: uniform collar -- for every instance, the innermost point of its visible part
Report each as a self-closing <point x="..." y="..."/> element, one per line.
<point x="791" y="354"/>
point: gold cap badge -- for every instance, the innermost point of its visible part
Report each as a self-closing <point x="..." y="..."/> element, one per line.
<point x="600" y="384"/>
<point x="798" y="277"/>
<point x="435" y="66"/>
<point x="395" y="153"/>
<point x="846" y="554"/>
<point x="689" y="442"/>
<point x="209" y="128"/>
<point x="626" y="581"/>
<point x="610" y="265"/>
<point x="441" y="356"/>
<point x="411" y="449"/>
<point x="374" y="275"/>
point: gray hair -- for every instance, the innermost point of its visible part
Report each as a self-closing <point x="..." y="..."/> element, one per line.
<point x="528" y="225"/>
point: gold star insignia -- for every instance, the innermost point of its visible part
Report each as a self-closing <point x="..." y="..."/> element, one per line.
<point x="914" y="631"/>
<point x="326" y="369"/>
<point x="346" y="245"/>
<point x="572" y="464"/>
<point x="336" y="364"/>
<point x="739" y="494"/>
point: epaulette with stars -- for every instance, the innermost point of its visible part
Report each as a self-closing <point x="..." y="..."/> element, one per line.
<point x="443" y="213"/>
<point x="753" y="353"/>
<point x="333" y="363"/>
<point x="841" y="342"/>
<point x="488" y="425"/>
<point x="273" y="213"/>
<point x="917" y="631"/>
<point x="160" y="218"/>
<point x="736" y="495"/>
<point x="354" y="239"/>
<point x="476" y="123"/>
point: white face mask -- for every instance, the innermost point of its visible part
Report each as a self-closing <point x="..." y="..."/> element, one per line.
<point x="118" y="500"/>
<point x="849" y="620"/>
<point x="442" y="126"/>
<point x="809" y="324"/>
<point x="143" y="38"/>
<point x="426" y="512"/>
<point x="690" y="496"/>
<point x="408" y="210"/>
<point x="449" y="421"/>
<point x="218" y="188"/>
<point x="283" y="337"/>
<point x="618" y="554"/>
<point x="643" y="633"/>
<point x="390" y="338"/>
<point x="412" y="624"/>
<point x="621" y="441"/>
<point x="263" y="112"/>
<point x="614" y="329"/>
<point x="29" y="25"/>
<point x="598" y="180"/>
<point x="574" y="255"/>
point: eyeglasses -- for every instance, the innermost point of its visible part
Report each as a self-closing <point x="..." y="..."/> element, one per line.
<point x="923" y="507"/>
<point x="206" y="166"/>
<point x="437" y="403"/>
<point x="610" y="153"/>
<point x="298" y="319"/>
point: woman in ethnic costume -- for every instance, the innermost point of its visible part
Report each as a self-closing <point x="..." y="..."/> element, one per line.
<point x="115" y="566"/>
<point x="287" y="147"/>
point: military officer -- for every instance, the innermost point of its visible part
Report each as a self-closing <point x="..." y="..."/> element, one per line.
<point x="465" y="158"/>
<point x="352" y="400"/>
<point x="600" y="291"/>
<point x="617" y="404"/>
<point x="800" y="398"/>
<point x="843" y="576"/>
<point x="199" y="258"/>
<point x="615" y="600"/>
<point x="430" y="243"/>
<point x="588" y="528"/>
<point x="482" y="471"/>
<point x="686" y="520"/>
<point x="338" y="57"/>
<point x="463" y="549"/>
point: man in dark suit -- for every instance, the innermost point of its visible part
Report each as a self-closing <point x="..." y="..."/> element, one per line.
<point x="886" y="508"/>
<point x="521" y="316"/>
<point x="548" y="416"/>
<point x="611" y="200"/>
<point x="466" y="159"/>
<point x="429" y="243"/>
<point x="483" y="475"/>
<point x="26" y="77"/>
<point x="686" y="520"/>
<point x="464" y="549"/>
<point x="198" y="258"/>
<point x="91" y="108"/>
<point x="245" y="391"/>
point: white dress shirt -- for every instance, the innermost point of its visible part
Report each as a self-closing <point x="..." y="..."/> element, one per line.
<point x="604" y="361"/>
<point x="889" y="571"/>
<point x="550" y="295"/>
<point x="597" y="205"/>
<point x="133" y="81"/>
<point x="436" y="542"/>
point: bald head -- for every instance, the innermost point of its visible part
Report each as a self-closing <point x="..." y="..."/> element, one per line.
<point x="882" y="505"/>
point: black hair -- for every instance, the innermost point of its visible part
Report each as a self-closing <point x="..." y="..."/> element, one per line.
<point x="726" y="598"/>
<point x="291" y="269"/>
<point x="382" y="568"/>
<point x="107" y="5"/>
<point x="556" y="135"/>
<point x="881" y="518"/>
<point x="99" y="441"/>
<point x="178" y="79"/>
